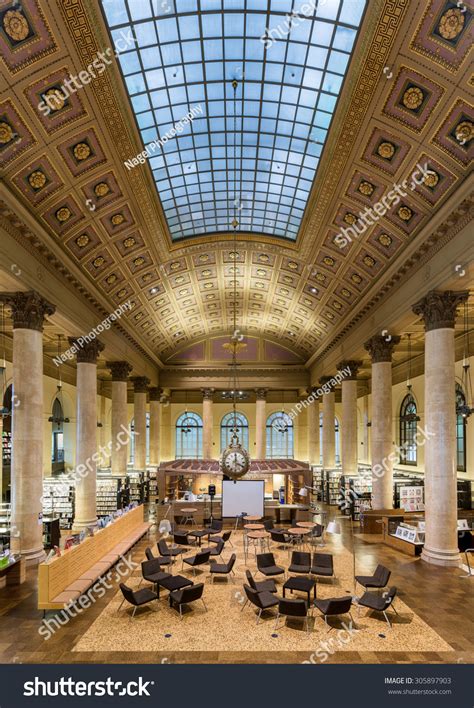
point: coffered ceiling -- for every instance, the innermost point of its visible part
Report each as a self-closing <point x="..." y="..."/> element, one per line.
<point x="406" y="99"/>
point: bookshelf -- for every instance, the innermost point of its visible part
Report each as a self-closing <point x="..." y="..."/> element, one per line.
<point x="58" y="500"/>
<point x="108" y="495"/>
<point x="6" y="448"/>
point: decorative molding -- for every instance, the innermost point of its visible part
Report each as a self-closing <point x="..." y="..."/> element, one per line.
<point x="86" y="352"/>
<point x="438" y="309"/>
<point x="120" y="370"/>
<point x="207" y="394"/>
<point x="28" y="309"/>
<point x="380" y="349"/>
<point x="261" y="394"/>
<point x="140" y="384"/>
<point x="353" y="365"/>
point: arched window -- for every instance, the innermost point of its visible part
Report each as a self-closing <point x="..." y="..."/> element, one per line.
<point x="460" y="431"/>
<point x="238" y="425"/>
<point x="408" y="428"/>
<point x="189" y="437"/>
<point x="280" y="441"/>
<point x="337" y="444"/>
<point x="131" y="446"/>
<point x="57" y="441"/>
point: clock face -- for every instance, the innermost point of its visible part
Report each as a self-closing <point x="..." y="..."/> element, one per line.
<point x="235" y="461"/>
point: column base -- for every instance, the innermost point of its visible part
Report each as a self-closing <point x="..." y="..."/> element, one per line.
<point x="33" y="556"/>
<point x="439" y="557"/>
<point x="79" y="525"/>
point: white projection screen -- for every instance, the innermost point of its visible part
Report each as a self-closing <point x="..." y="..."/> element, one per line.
<point x="248" y="496"/>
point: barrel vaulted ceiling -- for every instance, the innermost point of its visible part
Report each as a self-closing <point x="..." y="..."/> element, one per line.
<point x="406" y="99"/>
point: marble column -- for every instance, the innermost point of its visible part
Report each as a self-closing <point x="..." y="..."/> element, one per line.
<point x="207" y="423"/>
<point x="166" y="432"/>
<point x="349" y="417"/>
<point x="313" y="430"/>
<point x="382" y="452"/>
<point x="155" y="413"/>
<point x="120" y="372"/>
<point x="140" y="388"/>
<point x="260" y="424"/>
<point x="28" y="312"/>
<point x="438" y="311"/>
<point x="87" y="456"/>
<point x="329" y="428"/>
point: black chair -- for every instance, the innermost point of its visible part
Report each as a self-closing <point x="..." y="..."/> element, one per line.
<point x="334" y="606"/>
<point x="292" y="608"/>
<point x="268" y="523"/>
<point x="262" y="600"/>
<point x="378" y="580"/>
<point x="215" y="526"/>
<point x="151" y="571"/>
<point x="379" y="603"/>
<point x="162" y="559"/>
<point x="263" y="586"/>
<point x="217" y="549"/>
<point x="224" y="537"/>
<point x="199" y="559"/>
<point x="281" y="538"/>
<point x="187" y="595"/>
<point x="267" y="566"/>
<point x="137" y="598"/>
<point x="223" y="568"/>
<point x="167" y="551"/>
<point x="317" y="533"/>
<point x="300" y="562"/>
<point x="181" y="539"/>
<point x="323" y="565"/>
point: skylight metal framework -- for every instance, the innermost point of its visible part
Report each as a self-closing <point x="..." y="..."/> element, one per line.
<point x="289" y="57"/>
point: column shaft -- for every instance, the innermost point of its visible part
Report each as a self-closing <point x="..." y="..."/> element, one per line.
<point x="155" y="412"/>
<point x="349" y="427"/>
<point x="207" y="425"/>
<point x="313" y="433"/>
<point x="27" y="444"/>
<point x="260" y="428"/>
<point x="381" y="434"/>
<point x="329" y="433"/>
<point x="139" y="422"/>
<point x="86" y="446"/>
<point x="119" y="425"/>
<point x="441" y="541"/>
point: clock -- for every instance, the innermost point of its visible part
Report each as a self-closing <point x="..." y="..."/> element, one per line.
<point x="235" y="461"/>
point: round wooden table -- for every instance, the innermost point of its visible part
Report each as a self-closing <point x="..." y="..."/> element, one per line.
<point x="188" y="515"/>
<point x="260" y="537"/>
<point x="254" y="527"/>
<point x="306" y="524"/>
<point x="298" y="533"/>
<point x="252" y="518"/>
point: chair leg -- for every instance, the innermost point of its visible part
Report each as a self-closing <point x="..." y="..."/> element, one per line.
<point x="133" y="613"/>
<point x="259" y="615"/>
<point x="276" y="622"/>
<point x="244" y="605"/>
<point x="180" y="611"/>
<point x="204" y="604"/>
<point x="393" y="608"/>
<point x="386" y="617"/>
<point x="121" y="605"/>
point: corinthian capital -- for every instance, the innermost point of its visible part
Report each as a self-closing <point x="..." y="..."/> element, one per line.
<point x="380" y="349"/>
<point x="28" y="309"/>
<point x="439" y="309"/>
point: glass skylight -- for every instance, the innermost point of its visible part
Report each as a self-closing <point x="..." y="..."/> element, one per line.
<point x="289" y="69"/>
